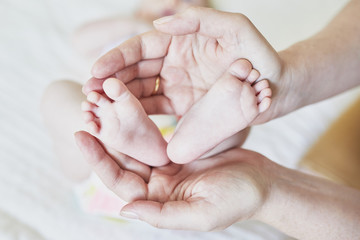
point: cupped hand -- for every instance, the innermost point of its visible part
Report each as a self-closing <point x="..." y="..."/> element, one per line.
<point x="203" y="195"/>
<point x="192" y="51"/>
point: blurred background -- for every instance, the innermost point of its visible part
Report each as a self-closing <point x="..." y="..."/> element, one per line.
<point x="36" y="200"/>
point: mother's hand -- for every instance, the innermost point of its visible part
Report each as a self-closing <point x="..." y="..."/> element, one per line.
<point x="193" y="51"/>
<point x="203" y="195"/>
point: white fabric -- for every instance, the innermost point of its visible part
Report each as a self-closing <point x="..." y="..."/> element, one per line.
<point x="36" y="201"/>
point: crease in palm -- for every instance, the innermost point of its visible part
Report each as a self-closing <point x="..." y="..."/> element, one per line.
<point x="190" y="68"/>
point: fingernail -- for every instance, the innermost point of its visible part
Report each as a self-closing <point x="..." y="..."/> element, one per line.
<point x="130" y="215"/>
<point x="163" y="20"/>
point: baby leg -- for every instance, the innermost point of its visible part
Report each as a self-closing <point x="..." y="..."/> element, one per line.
<point x="60" y="108"/>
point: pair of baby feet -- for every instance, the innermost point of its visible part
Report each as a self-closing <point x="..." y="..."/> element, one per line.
<point x="118" y="119"/>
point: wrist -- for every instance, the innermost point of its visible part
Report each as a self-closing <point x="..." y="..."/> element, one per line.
<point x="277" y="178"/>
<point x="267" y="174"/>
<point x="288" y="89"/>
<point x="284" y="207"/>
<point x="273" y="173"/>
<point x="292" y="82"/>
<point x="308" y="207"/>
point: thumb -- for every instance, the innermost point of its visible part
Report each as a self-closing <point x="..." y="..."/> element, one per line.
<point x="206" y="21"/>
<point x="127" y="185"/>
<point x="184" y="215"/>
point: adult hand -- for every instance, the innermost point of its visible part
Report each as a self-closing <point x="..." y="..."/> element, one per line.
<point x="195" y="51"/>
<point x="233" y="186"/>
<point x="202" y="195"/>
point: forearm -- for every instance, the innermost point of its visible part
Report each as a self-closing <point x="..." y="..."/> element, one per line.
<point x="325" y="64"/>
<point x="307" y="207"/>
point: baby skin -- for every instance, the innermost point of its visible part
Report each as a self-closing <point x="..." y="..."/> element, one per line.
<point x="248" y="96"/>
<point x="119" y="121"/>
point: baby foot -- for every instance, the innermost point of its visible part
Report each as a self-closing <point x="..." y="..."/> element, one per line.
<point x="231" y="105"/>
<point x="120" y="122"/>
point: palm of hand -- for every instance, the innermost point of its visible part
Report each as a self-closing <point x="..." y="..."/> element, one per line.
<point x="217" y="192"/>
<point x="194" y="62"/>
<point x="188" y="64"/>
<point x="203" y="195"/>
<point x="192" y="65"/>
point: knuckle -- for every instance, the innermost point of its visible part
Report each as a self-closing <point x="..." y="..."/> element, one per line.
<point x="114" y="181"/>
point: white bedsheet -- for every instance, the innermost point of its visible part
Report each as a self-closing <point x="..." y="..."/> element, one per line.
<point x="36" y="201"/>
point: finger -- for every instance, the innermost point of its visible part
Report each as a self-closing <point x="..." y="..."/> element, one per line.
<point x="127" y="185"/>
<point x="206" y="21"/>
<point x="157" y="105"/>
<point x="93" y="85"/>
<point x="184" y="215"/>
<point x="229" y="29"/>
<point x="130" y="164"/>
<point x="148" y="69"/>
<point x="151" y="45"/>
<point x="143" y="88"/>
<point x="142" y="69"/>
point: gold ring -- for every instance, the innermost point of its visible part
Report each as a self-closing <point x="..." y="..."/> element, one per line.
<point x="157" y="86"/>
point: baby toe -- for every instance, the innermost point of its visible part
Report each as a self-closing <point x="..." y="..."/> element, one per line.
<point x="92" y="128"/>
<point x="114" y="88"/>
<point x="261" y="85"/>
<point x="97" y="99"/>
<point x="88" y="117"/>
<point x="241" y="69"/>
<point x="264" y="104"/>
<point x="88" y="106"/>
<point x="266" y="93"/>
<point x="253" y="76"/>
